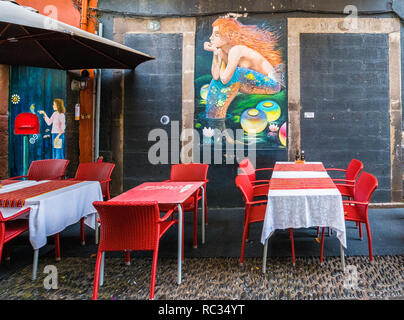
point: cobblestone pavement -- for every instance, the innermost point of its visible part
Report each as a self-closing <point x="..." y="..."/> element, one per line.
<point x="216" y="278"/>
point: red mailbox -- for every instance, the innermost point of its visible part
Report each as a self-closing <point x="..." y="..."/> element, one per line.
<point x="26" y="123"/>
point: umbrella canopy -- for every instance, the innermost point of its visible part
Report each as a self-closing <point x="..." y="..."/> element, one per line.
<point x="31" y="39"/>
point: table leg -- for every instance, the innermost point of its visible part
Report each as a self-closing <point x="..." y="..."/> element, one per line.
<point x="180" y="235"/>
<point x="342" y="258"/>
<point x="264" y="262"/>
<point x="35" y="264"/>
<point x="96" y="228"/>
<point x="102" y="269"/>
<point x="203" y="215"/>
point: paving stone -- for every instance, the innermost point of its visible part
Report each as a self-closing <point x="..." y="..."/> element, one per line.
<point x="213" y="278"/>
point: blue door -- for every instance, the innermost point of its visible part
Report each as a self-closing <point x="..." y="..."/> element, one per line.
<point x="34" y="90"/>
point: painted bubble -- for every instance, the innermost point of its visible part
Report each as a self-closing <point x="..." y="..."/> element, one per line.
<point x="204" y="91"/>
<point x="253" y="120"/>
<point x="271" y="109"/>
<point x="165" y="120"/>
<point x="282" y="134"/>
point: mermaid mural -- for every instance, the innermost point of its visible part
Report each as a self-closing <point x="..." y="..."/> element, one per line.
<point x="246" y="61"/>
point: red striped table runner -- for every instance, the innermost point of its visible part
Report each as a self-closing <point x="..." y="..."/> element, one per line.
<point x="17" y="198"/>
<point x="298" y="183"/>
<point x="8" y="181"/>
<point x="299" y="167"/>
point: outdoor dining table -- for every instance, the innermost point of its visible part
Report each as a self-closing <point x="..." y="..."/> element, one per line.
<point x="168" y="193"/>
<point x="54" y="205"/>
<point x="302" y="195"/>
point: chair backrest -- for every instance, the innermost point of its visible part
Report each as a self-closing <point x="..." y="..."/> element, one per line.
<point x="245" y="186"/>
<point x="353" y="169"/>
<point x="189" y="172"/>
<point x="128" y="225"/>
<point x="49" y="169"/>
<point x="95" y="171"/>
<point x="365" y="186"/>
<point x="247" y="168"/>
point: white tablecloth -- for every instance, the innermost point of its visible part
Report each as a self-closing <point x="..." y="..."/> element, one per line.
<point x="304" y="208"/>
<point x="52" y="212"/>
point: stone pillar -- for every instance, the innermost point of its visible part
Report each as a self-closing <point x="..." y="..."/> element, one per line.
<point x="4" y="99"/>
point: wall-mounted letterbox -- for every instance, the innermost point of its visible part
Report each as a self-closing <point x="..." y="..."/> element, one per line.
<point x="26" y="123"/>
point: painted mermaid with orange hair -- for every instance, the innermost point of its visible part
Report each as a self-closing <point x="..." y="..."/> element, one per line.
<point x="244" y="60"/>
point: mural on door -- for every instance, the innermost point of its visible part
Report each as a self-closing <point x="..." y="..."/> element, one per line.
<point x="41" y="92"/>
<point x="240" y="81"/>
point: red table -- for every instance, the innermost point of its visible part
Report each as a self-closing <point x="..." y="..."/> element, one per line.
<point x="175" y="193"/>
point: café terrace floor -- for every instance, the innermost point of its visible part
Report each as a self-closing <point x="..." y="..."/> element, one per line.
<point x="212" y="270"/>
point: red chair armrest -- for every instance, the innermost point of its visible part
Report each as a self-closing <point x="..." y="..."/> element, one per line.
<point x="262" y="169"/>
<point x="257" y="202"/>
<point x="335" y="169"/>
<point x="355" y="202"/>
<point x="19" y="177"/>
<point x="167" y="215"/>
<point x="260" y="186"/>
<point x="260" y="181"/>
<point x="19" y="213"/>
<point x="344" y="180"/>
<point x="345" y="185"/>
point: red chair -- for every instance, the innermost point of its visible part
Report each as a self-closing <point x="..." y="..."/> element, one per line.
<point x="357" y="209"/>
<point x="95" y="171"/>
<point x="351" y="174"/>
<point x="254" y="212"/>
<point x="127" y="226"/>
<point x="260" y="186"/>
<point x="191" y="172"/>
<point x="12" y="227"/>
<point x="49" y="169"/>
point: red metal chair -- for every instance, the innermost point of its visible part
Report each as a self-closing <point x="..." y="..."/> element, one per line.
<point x="348" y="186"/>
<point x="254" y="212"/>
<point x="49" y="169"/>
<point x="12" y="227"/>
<point x="357" y="209"/>
<point x="127" y="226"/>
<point x="260" y="186"/>
<point x="191" y="172"/>
<point x="351" y="174"/>
<point x="95" y="171"/>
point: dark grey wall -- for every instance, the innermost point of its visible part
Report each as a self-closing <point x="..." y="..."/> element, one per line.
<point x="152" y="91"/>
<point x="345" y="82"/>
<point x="361" y="132"/>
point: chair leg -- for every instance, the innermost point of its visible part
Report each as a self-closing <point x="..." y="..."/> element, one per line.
<point x="6" y="251"/>
<point x="195" y="241"/>
<point x="127" y="257"/>
<point x="97" y="275"/>
<point x="245" y="232"/>
<point x="318" y="231"/>
<point x="206" y="209"/>
<point x="82" y="234"/>
<point x="322" y="246"/>
<point x="1" y="250"/>
<point x="293" y="245"/>
<point x="360" y="231"/>
<point x="182" y="245"/>
<point x="57" y="247"/>
<point x="154" y="271"/>
<point x="369" y="242"/>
